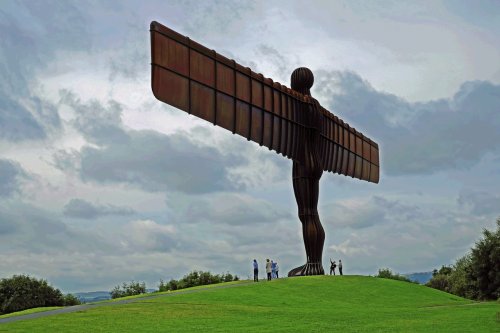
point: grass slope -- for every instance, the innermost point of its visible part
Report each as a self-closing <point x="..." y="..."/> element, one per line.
<point x="308" y="304"/>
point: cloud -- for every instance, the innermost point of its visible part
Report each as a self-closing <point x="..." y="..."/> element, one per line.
<point x="360" y="213"/>
<point x="480" y="202"/>
<point x="147" y="235"/>
<point x="227" y="209"/>
<point x="25" y="49"/>
<point x="36" y="230"/>
<point x="418" y="138"/>
<point x="85" y="210"/>
<point x="16" y="122"/>
<point x="12" y="176"/>
<point x="145" y="159"/>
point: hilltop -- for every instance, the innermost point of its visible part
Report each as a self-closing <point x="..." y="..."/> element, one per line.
<point x="305" y="304"/>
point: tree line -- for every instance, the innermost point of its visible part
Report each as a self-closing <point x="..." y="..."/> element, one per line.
<point x="21" y="292"/>
<point x="192" y="279"/>
<point x="476" y="275"/>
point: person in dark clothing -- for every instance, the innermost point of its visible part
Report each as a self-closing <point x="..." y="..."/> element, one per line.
<point x="340" y="267"/>
<point x="332" y="266"/>
<point x="255" y="271"/>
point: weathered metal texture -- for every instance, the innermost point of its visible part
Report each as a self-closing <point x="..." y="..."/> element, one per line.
<point x="201" y="82"/>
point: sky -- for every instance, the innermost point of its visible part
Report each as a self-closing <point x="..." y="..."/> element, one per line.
<point x="100" y="183"/>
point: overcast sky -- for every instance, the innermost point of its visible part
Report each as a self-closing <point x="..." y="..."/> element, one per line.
<point x="100" y="183"/>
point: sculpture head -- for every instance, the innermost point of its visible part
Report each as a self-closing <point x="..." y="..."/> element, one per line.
<point x="302" y="80"/>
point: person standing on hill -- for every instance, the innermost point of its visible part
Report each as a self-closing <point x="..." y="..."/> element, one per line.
<point x="255" y="271"/>
<point x="273" y="269"/>
<point x="340" y="267"/>
<point x="332" y="266"/>
<point x="269" y="269"/>
<point x="277" y="269"/>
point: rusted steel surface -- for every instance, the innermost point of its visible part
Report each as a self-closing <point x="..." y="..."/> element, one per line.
<point x="195" y="79"/>
<point x="201" y="82"/>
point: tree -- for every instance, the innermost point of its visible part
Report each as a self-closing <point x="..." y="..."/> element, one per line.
<point x="386" y="273"/>
<point x="459" y="282"/>
<point x="196" y="278"/>
<point x="477" y="274"/>
<point x="130" y="289"/>
<point x="485" y="264"/>
<point x="21" y="292"/>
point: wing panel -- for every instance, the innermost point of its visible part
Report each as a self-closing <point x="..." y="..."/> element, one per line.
<point x="353" y="154"/>
<point x="202" y="101"/>
<point x="202" y="68"/>
<point x="171" y="88"/>
<point x="225" y="111"/>
<point x="242" y="115"/>
<point x="243" y="87"/>
<point x="350" y="167"/>
<point x="268" y="130"/>
<point x="225" y="79"/>
<point x="366" y="170"/>
<point x="257" y="93"/>
<point x="256" y="128"/>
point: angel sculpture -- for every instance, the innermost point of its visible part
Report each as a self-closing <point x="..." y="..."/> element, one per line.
<point x="291" y="122"/>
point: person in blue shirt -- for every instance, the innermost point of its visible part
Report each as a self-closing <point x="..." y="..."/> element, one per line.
<point x="255" y="271"/>
<point x="273" y="267"/>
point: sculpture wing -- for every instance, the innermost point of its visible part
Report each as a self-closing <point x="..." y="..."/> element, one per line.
<point x="347" y="151"/>
<point x="203" y="83"/>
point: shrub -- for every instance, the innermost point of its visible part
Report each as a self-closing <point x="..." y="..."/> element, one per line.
<point x="386" y="273"/>
<point x="439" y="281"/>
<point x="21" y="292"/>
<point x="485" y="264"/>
<point x="196" y="278"/>
<point x="70" y="299"/>
<point x="133" y="288"/>
<point x="477" y="274"/>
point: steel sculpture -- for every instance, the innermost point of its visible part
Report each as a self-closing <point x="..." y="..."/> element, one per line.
<point x="203" y="83"/>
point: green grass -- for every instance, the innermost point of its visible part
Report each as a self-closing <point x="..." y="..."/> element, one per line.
<point x="308" y="304"/>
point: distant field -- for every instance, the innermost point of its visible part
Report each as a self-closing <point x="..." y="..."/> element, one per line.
<point x="307" y="304"/>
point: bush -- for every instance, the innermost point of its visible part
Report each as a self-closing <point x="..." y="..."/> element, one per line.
<point x="439" y="281"/>
<point x="386" y="273"/>
<point x="477" y="274"/>
<point x="196" y="278"/>
<point x="70" y="300"/>
<point x="133" y="288"/>
<point x="485" y="264"/>
<point x="22" y="292"/>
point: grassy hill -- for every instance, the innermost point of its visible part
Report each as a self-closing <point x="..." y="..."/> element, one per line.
<point x="308" y="304"/>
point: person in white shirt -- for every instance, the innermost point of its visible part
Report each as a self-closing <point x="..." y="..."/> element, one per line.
<point x="269" y="269"/>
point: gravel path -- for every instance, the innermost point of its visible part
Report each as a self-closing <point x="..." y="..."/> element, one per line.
<point x="83" y="307"/>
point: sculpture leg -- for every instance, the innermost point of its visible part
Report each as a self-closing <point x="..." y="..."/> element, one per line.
<point x="306" y="191"/>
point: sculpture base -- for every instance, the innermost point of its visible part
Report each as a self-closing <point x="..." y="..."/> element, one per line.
<point x="307" y="269"/>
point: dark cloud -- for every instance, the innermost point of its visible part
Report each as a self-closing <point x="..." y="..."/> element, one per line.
<point x="36" y="230"/>
<point x="85" y="210"/>
<point x="16" y="122"/>
<point x="419" y="138"/>
<point x="11" y="177"/>
<point x="144" y="159"/>
<point x="30" y="34"/>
